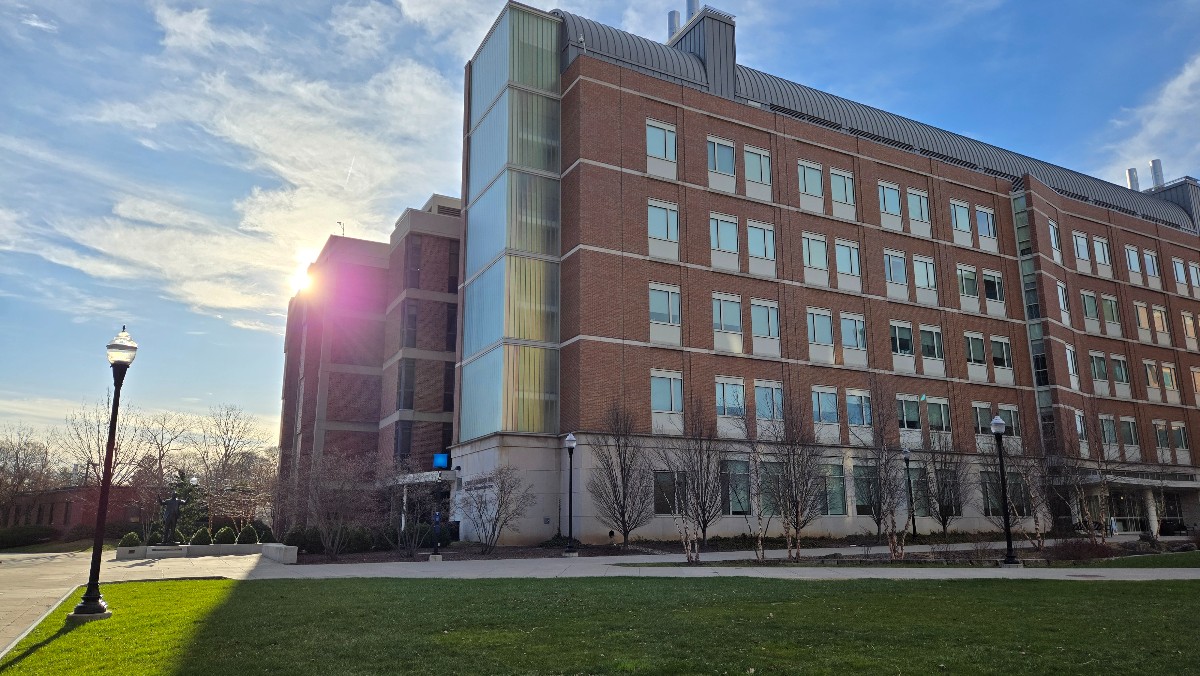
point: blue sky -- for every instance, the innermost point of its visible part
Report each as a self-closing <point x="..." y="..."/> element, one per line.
<point x="172" y="165"/>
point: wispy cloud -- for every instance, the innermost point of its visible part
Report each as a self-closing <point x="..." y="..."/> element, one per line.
<point x="35" y="21"/>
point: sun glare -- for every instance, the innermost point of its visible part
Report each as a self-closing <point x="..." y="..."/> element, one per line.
<point x="301" y="280"/>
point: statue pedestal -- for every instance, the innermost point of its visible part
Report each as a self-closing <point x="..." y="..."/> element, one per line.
<point x="166" y="551"/>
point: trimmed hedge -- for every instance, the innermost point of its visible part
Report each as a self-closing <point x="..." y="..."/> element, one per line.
<point x="294" y="537"/>
<point x="20" y="536"/>
<point x="154" y="539"/>
<point x="130" y="539"/>
<point x="248" y="536"/>
<point x="225" y="536"/>
<point x="265" y="536"/>
<point x="201" y="537"/>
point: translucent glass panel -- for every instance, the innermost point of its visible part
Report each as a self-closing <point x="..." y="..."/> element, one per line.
<point x="523" y="45"/>
<point x="519" y="211"/>
<point x="482" y="395"/>
<point x="531" y="384"/>
<point x="516" y="297"/>
<point x="483" y="310"/>
<point x="522" y="129"/>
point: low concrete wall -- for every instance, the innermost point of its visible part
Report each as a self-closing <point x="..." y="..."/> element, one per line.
<point x="274" y="552"/>
<point x="280" y="553"/>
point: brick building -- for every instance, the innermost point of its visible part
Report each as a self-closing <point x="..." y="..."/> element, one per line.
<point x="620" y="193"/>
<point x="370" y="347"/>
<point x="67" y="507"/>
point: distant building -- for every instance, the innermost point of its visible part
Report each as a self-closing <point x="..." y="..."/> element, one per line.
<point x="370" y="347"/>
<point x="70" y="506"/>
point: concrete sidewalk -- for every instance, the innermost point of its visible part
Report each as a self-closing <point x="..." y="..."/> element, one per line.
<point x="33" y="584"/>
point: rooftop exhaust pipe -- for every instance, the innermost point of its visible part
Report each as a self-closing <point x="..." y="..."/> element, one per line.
<point x="693" y="7"/>
<point x="1131" y="179"/>
<point x="672" y="24"/>
<point x="1156" y="173"/>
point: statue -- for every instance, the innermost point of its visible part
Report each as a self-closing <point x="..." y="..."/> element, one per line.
<point x="170" y="517"/>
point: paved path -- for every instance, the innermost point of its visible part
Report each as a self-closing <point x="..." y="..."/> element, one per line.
<point x="33" y="584"/>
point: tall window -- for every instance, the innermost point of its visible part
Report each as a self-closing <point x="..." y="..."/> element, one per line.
<point x="409" y="336"/>
<point x="968" y="283"/>
<point x="1131" y="259"/>
<point x="924" y="274"/>
<point x="660" y="140"/>
<point x="1108" y="430"/>
<point x="666" y="392"/>
<point x="1170" y="380"/>
<point x="983" y="417"/>
<point x="760" y="240"/>
<point x="451" y="327"/>
<point x="406" y="384"/>
<point x="1194" y="273"/>
<point x="854" y="332"/>
<point x="664" y="304"/>
<point x="731" y="397"/>
<point x="889" y="199"/>
<point x="722" y="232"/>
<point x="931" y="343"/>
<point x="918" y="206"/>
<point x="1108" y="305"/>
<point x="834" y="503"/>
<point x="1103" y="254"/>
<point x="452" y="272"/>
<point x="993" y="286"/>
<point x="764" y="318"/>
<point x="987" y="222"/>
<point x="1180" y="272"/>
<point x="1099" y="366"/>
<point x="847" y="258"/>
<point x="1128" y="429"/>
<point x="667" y="489"/>
<point x="1159" y="315"/>
<point x="938" y="411"/>
<point x="908" y="412"/>
<point x="727" y="313"/>
<point x="720" y="156"/>
<point x="1072" y="363"/>
<point x="858" y="408"/>
<point x="1179" y="434"/>
<point x="448" y="386"/>
<point x="1091" y="309"/>
<point x="824" y="403"/>
<point x="1081" y="246"/>
<point x="1151" y="264"/>
<point x="1064" y="303"/>
<point x="768" y="400"/>
<point x="412" y="262"/>
<point x="960" y="216"/>
<point x="974" y="348"/>
<point x="403" y="439"/>
<point x="1151" y="374"/>
<point x="1055" y="237"/>
<point x="893" y="267"/>
<point x="902" y="339"/>
<point x="1012" y="421"/>
<point x="1001" y="353"/>
<point x="1120" y="369"/>
<point x="662" y="219"/>
<point x="813" y="249"/>
<point x="842" y="186"/>
<point x="758" y="165"/>
<point x="810" y="178"/>
<point x="820" y="327"/>
<point x="1142" y="313"/>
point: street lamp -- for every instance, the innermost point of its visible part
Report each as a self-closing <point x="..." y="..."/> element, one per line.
<point x="998" y="426"/>
<point x="912" y="512"/>
<point x="121" y="352"/>
<point x="570" y="444"/>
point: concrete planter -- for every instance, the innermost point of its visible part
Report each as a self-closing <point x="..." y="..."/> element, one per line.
<point x="275" y="552"/>
<point x="280" y="553"/>
<point x="129" y="553"/>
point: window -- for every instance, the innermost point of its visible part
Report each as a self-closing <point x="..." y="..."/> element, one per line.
<point x="664" y="304"/>
<point x="983" y="417"/>
<point x="854" y="332"/>
<point x="1064" y="303"/>
<point x="867" y="493"/>
<point x="662" y="219"/>
<point x="1179" y="270"/>
<point x="660" y="140"/>
<point x="902" y="339"/>
<point x="820" y="327"/>
<point x="1162" y="438"/>
<point x="731" y="396"/>
<point x="412" y="262"/>
<point x="1080" y="427"/>
<point x="1018" y="494"/>
<point x="908" y="412"/>
<point x="448" y="387"/>
<point x="1194" y="273"/>
<point x="1189" y="325"/>
<point x="667" y="487"/>
<point x="974" y="348"/>
<point x="1001" y="353"/>
<point x="1142" y="313"/>
<point x="1179" y="434"/>
<point x="824" y="402"/>
<point x="1081" y="246"/>
<point x="810" y="178"/>
<point x="1099" y="366"/>
<point x="924" y="273"/>
<point x="666" y="392"/>
<point x="406" y="384"/>
<point x="968" y="283"/>
<point x="447" y="436"/>
<point x="451" y="327"/>
<point x="1151" y="263"/>
<point x="735" y="484"/>
<point x="1091" y="309"/>
<point x="918" y="206"/>
<point x="760" y="238"/>
<point x="720" y="156"/>
<point x="1151" y="374"/>
<point x="842" y="186"/>
<point x="409" y="336"/>
<point x="847" y="258"/>
<point x="768" y="400"/>
<point x="835" y="491"/>
<point x="764" y="318"/>
<point x="986" y="221"/>
<point x="1108" y="305"/>
<point x="993" y="286"/>
<point x="858" y="407"/>
<point x="931" y="343"/>
<point x="894" y="268"/>
<point x="1055" y="238"/>
<point x="1103" y="254"/>
<point x="452" y="269"/>
<point x="1132" y="260"/>
<point x="727" y="313"/>
<point x="1072" y="364"/>
<point x="889" y="199"/>
<point x="1108" y="430"/>
<point x="960" y="216"/>
<point x="403" y="440"/>
<point x="758" y="166"/>
<point x="1120" y="369"/>
<point x="1159" y="315"/>
<point x="938" y="411"/>
<point x="1169" y="379"/>
<point x="813" y="249"/>
<point x="1128" y="428"/>
<point x="722" y="232"/>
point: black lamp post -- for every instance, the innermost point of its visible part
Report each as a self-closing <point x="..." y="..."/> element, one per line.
<point x="121" y="352"/>
<point x="912" y="507"/>
<point x="998" y="426"/>
<point x="570" y="444"/>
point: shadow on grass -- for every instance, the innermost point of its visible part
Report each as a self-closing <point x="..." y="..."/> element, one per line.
<point x="15" y="658"/>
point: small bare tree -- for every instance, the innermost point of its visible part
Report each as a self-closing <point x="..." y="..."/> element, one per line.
<point x="411" y="509"/>
<point x="697" y="498"/>
<point x="882" y="477"/>
<point x="794" y="483"/>
<point x="84" y="439"/>
<point x="28" y="466"/>
<point x="228" y="436"/>
<point x="1080" y="466"/>
<point x="493" y="502"/>
<point x="341" y="496"/>
<point x="1028" y="494"/>
<point x="622" y="484"/>
<point x="947" y="486"/>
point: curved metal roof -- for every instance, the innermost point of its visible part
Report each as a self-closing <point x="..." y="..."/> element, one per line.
<point x="790" y="98"/>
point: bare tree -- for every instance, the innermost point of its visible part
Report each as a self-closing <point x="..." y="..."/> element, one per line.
<point x="1028" y="494"/>
<point x="757" y="510"/>
<point x="795" y="481"/>
<point x="947" y="488"/>
<point x="882" y="479"/>
<point x="162" y="436"/>
<point x="493" y="502"/>
<point x="697" y="492"/>
<point x="341" y="496"/>
<point x="622" y="484"/>
<point x="84" y="438"/>
<point x="227" y="435"/>
<point x="1079" y="467"/>
<point x="28" y="466"/>
<point x="249" y="492"/>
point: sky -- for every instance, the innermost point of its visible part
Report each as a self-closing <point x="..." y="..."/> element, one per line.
<point x="172" y="166"/>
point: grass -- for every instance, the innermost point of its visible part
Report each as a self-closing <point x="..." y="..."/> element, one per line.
<point x="57" y="547"/>
<point x="1176" y="560"/>
<point x="605" y="625"/>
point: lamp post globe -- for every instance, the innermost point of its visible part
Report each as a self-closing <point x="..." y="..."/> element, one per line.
<point x="122" y="350"/>
<point x="570" y="442"/>
<point x="998" y="429"/>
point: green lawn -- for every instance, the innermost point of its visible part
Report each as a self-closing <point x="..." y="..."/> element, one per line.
<point x="57" y="547"/>
<point x="604" y="625"/>
<point x="1177" y="560"/>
